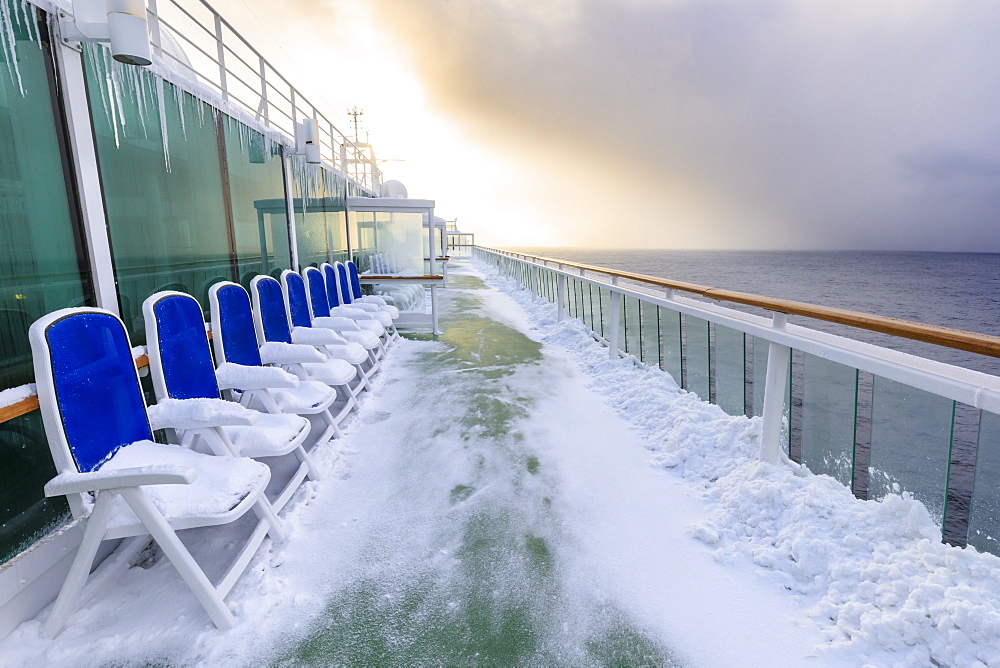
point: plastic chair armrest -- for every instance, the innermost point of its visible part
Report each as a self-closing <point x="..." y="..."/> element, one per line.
<point x="317" y="336"/>
<point x="232" y="376"/>
<point x="199" y="414"/>
<point x="276" y="352"/>
<point x="343" y="324"/>
<point x="73" y="482"/>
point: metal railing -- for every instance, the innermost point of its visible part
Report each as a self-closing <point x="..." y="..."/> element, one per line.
<point x="190" y="38"/>
<point x="880" y="421"/>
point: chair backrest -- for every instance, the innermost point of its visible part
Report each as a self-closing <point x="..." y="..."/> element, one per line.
<point x="296" y="301"/>
<point x="352" y="270"/>
<point x="269" y="313"/>
<point x="319" y="306"/>
<point x="344" y="283"/>
<point x="332" y="294"/>
<point x="88" y="388"/>
<point x="233" y="332"/>
<point x="180" y="359"/>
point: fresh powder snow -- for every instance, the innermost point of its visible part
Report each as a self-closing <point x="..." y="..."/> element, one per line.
<point x="654" y="507"/>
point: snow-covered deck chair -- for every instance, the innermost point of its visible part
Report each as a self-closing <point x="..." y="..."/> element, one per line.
<point x="354" y="284"/>
<point x="181" y="367"/>
<point x="321" y="307"/>
<point x="338" y="289"/>
<point x="270" y="317"/>
<point x="300" y="315"/>
<point x="101" y="440"/>
<point x="273" y="389"/>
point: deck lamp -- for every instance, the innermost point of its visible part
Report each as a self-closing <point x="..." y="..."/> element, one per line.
<point x="307" y="140"/>
<point x="122" y="23"/>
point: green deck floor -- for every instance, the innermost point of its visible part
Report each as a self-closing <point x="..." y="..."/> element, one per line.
<point x="464" y="563"/>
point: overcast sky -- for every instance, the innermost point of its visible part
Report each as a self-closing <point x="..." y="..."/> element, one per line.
<point x="842" y="124"/>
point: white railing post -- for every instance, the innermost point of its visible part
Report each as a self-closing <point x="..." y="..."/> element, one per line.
<point x="561" y="296"/>
<point x="775" y="390"/>
<point x="221" y="50"/>
<point x="533" y="277"/>
<point x="614" y="338"/>
<point x="264" y="111"/>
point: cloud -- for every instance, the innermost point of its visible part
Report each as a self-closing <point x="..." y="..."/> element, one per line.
<point x="774" y="124"/>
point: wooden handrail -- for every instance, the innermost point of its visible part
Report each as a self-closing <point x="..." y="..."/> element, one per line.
<point x="959" y="339"/>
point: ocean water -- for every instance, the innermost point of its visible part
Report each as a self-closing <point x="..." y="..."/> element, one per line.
<point x="958" y="290"/>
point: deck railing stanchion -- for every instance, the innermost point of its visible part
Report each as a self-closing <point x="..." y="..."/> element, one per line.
<point x="561" y="296"/>
<point x="613" y="335"/>
<point x="775" y="389"/>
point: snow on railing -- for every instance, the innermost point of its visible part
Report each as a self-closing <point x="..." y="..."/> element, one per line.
<point x="192" y="39"/>
<point x="880" y="421"/>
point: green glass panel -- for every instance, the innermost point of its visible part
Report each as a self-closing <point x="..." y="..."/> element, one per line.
<point x="984" y="518"/>
<point x="586" y="305"/>
<point x="40" y="272"/>
<point x="760" y="347"/>
<point x="632" y="334"/>
<point x="730" y="366"/>
<point x="910" y="444"/>
<point x="696" y="355"/>
<point x="670" y="340"/>
<point x="257" y="196"/>
<point x="829" y="394"/>
<point x="604" y="309"/>
<point x="650" y="334"/>
<point x="162" y="183"/>
<point x="320" y="218"/>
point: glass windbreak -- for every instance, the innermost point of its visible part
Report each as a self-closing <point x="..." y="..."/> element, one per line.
<point x="650" y="314"/>
<point x="670" y="341"/>
<point x="910" y="444"/>
<point x="631" y="321"/>
<point x="696" y="356"/>
<point x="391" y="243"/>
<point x="40" y="270"/>
<point x="730" y="350"/>
<point x="163" y="188"/>
<point x="257" y="196"/>
<point x="603" y="317"/>
<point x="829" y="397"/>
<point x="984" y="519"/>
<point x="320" y="219"/>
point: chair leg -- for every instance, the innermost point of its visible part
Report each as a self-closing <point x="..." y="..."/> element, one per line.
<point x="265" y="513"/>
<point x="78" y="572"/>
<point x="189" y="570"/>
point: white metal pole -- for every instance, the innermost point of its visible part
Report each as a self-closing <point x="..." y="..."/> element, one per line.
<point x="775" y="390"/>
<point x="293" y="247"/>
<point x="561" y="296"/>
<point x="616" y="307"/>
<point x="95" y="224"/>
<point x="221" y="51"/>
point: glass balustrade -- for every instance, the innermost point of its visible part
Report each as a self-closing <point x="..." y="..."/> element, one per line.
<point x="910" y="444"/>
<point x="873" y="435"/>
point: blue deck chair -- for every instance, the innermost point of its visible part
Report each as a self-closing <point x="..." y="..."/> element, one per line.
<point x="235" y="342"/>
<point x="300" y="315"/>
<point x="338" y="288"/>
<point x="321" y="307"/>
<point x="354" y="284"/>
<point x="270" y="317"/>
<point x="180" y="363"/>
<point x="102" y="445"/>
<point x="338" y="292"/>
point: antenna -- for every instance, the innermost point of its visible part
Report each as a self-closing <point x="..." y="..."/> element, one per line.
<point x="355" y="115"/>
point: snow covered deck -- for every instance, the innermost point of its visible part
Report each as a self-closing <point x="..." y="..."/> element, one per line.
<point x="511" y="496"/>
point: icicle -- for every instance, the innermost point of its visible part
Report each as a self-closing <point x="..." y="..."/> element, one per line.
<point x="10" y="45"/>
<point x="179" y="101"/>
<point x="164" y="135"/>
